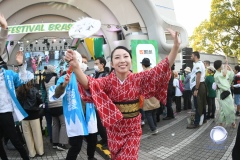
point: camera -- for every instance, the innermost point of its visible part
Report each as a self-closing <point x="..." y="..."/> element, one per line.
<point x="21" y="49"/>
<point x="181" y="72"/>
<point x="21" y="46"/>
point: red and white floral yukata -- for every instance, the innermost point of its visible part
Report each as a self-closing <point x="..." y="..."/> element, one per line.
<point x="124" y="133"/>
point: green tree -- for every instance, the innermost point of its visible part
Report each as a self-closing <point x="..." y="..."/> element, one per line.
<point x="221" y="33"/>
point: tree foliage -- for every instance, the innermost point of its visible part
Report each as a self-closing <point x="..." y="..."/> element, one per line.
<point x="221" y="33"/>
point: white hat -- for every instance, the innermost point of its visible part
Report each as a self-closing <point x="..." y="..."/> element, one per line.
<point x="187" y="69"/>
<point x="211" y="68"/>
<point x="50" y="69"/>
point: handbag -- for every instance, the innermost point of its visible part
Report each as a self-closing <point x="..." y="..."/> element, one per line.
<point x="224" y="95"/>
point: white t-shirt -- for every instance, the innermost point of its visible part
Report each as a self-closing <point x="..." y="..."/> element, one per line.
<point x="5" y="98"/>
<point x="198" y="67"/>
<point x="177" y="87"/>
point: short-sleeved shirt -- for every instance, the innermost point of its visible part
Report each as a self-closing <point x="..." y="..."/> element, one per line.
<point x="178" y="92"/>
<point x="198" y="67"/>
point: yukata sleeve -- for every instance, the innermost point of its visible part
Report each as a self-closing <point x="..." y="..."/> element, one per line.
<point x="222" y="83"/>
<point x="154" y="82"/>
<point x="86" y="94"/>
<point x="107" y="110"/>
<point x="231" y="76"/>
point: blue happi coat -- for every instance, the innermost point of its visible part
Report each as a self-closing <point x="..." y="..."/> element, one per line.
<point x="14" y="80"/>
<point x="77" y="122"/>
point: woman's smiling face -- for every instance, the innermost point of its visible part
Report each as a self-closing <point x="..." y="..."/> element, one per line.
<point x="121" y="61"/>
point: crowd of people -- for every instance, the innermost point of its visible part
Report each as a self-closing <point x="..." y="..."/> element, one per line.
<point x="79" y="106"/>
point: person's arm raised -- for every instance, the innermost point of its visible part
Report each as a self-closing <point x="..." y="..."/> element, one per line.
<point x="225" y="69"/>
<point x="73" y="62"/>
<point x="3" y="22"/>
<point x="173" y="54"/>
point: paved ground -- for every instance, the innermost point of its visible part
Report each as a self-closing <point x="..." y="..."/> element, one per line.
<point x="173" y="142"/>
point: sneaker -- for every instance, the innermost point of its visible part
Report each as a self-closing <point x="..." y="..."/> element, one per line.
<point x="38" y="155"/>
<point x="92" y="158"/>
<point x="103" y="143"/>
<point x="154" y="132"/>
<point x="192" y="126"/>
<point x="212" y="116"/>
<point x="105" y="146"/>
<point x="234" y="125"/>
<point x="55" y="145"/>
<point x="142" y="123"/>
<point x="61" y="147"/>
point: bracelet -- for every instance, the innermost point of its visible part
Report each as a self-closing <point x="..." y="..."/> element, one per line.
<point x="20" y="65"/>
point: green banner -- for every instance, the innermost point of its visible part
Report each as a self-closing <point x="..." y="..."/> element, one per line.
<point x="41" y="27"/>
<point x="98" y="47"/>
<point x="144" y="49"/>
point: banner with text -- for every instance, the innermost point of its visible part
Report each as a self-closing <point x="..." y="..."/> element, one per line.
<point x="41" y="27"/>
<point x="144" y="49"/>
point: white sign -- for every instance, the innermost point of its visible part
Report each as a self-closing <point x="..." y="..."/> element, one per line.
<point x="145" y="51"/>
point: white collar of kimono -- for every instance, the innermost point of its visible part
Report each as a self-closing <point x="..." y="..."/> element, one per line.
<point x="121" y="81"/>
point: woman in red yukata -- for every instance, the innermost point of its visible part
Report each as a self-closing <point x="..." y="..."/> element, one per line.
<point x="116" y="96"/>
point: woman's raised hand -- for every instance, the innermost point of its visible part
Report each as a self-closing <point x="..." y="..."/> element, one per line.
<point x="3" y="21"/>
<point x="71" y="58"/>
<point x="175" y="37"/>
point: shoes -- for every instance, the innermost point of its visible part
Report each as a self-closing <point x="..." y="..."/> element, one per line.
<point x="154" y="132"/>
<point x="38" y="155"/>
<point x="102" y="142"/>
<point x="92" y="158"/>
<point x="61" y="147"/>
<point x="55" y="145"/>
<point x="233" y="125"/>
<point x="167" y="118"/>
<point x="192" y="126"/>
<point x="105" y="146"/>
<point x="33" y="156"/>
<point x="142" y="123"/>
<point x="212" y="116"/>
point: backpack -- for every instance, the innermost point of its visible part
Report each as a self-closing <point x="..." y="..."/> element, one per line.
<point x="181" y="86"/>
